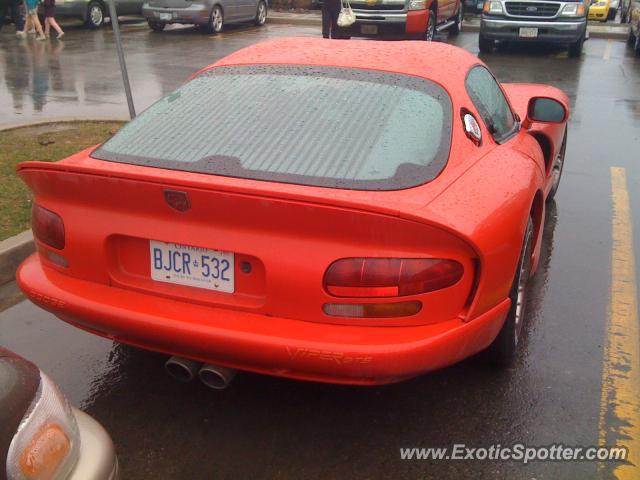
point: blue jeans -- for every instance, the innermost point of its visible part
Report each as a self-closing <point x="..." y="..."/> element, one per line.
<point x="13" y="8"/>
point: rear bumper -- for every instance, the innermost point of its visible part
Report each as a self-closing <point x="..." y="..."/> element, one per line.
<point x="194" y="14"/>
<point x="399" y="24"/>
<point x="554" y="32"/>
<point x="262" y="344"/>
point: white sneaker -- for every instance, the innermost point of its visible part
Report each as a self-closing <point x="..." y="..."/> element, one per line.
<point x="20" y="34"/>
<point x="60" y="35"/>
<point x="41" y="38"/>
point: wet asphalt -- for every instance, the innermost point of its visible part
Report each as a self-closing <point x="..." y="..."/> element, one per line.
<point x="263" y="427"/>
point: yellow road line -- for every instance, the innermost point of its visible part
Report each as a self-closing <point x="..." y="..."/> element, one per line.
<point x="607" y="50"/>
<point x="620" y="399"/>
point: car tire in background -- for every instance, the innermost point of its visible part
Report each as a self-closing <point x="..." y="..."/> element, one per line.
<point x="95" y="15"/>
<point x="216" y="20"/>
<point x="611" y="15"/>
<point x="156" y="26"/>
<point x="457" y="26"/>
<point x="430" y="33"/>
<point x="261" y="13"/>
<point x="485" y="44"/>
<point x="504" y="349"/>
<point x="575" y="49"/>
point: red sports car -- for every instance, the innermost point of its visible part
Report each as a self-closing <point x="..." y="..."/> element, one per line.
<point x="352" y="212"/>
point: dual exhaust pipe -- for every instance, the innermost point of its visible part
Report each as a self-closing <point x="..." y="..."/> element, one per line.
<point x="213" y="376"/>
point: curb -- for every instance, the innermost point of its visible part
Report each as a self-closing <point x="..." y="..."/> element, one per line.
<point x="38" y="123"/>
<point x="620" y="33"/>
<point x="13" y="251"/>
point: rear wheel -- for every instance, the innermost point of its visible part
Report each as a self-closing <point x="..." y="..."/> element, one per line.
<point x="504" y="349"/>
<point x="431" y="26"/>
<point x="611" y="15"/>
<point x="261" y="14"/>
<point x="156" y="26"/>
<point x="557" y="167"/>
<point x="575" y="49"/>
<point x="95" y="15"/>
<point x="636" y="46"/>
<point x="457" y="26"/>
<point x="216" y="20"/>
<point x="486" y="45"/>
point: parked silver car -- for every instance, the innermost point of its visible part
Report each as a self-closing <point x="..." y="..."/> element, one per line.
<point x="94" y="12"/>
<point x="211" y="14"/>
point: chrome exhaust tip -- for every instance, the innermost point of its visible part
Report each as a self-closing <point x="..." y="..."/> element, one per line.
<point x="216" y="377"/>
<point x="182" y="369"/>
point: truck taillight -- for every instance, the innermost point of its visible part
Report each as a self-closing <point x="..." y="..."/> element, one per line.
<point x="390" y="277"/>
<point x="47" y="227"/>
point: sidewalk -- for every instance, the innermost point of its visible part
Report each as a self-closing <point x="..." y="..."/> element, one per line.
<point x="471" y="24"/>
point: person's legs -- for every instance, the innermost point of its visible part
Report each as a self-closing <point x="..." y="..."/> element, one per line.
<point x="46" y="26"/>
<point x="16" y="14"/>
<point x="56" y="27"/>
<point x="326" y="20"/>
<point x="27" y="23"/>
<point x="33" y="16"/>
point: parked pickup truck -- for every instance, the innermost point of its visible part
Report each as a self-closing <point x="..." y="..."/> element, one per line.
<point x="418" y="19"/>
<point x="562" y="22"/>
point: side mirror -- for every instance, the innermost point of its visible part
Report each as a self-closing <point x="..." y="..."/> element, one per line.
<point x="545" y="110"/>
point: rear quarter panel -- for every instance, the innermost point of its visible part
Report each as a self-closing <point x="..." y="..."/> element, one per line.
<point x="489" y="206"/>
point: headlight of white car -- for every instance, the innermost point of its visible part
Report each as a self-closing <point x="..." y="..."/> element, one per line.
<point x="417" y="4"/>
<point x="573" y="10"/>
<point x="47" y="443"/>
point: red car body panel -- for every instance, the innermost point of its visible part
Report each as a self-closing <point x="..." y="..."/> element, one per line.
<point x="475" y="212"/>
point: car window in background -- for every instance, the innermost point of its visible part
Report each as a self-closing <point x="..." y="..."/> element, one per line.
<point x="322" y="126"/>
<point x="491" y="103"/>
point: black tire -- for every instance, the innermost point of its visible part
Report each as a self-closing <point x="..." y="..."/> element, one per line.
<point x="430" y="33"/>
<point x="636" y="47"/>
<point x="156" y="26"/>
<point x="95" y="15"/>
<point x="611" y="15"/>
<point x="575" y="49"/>
<point x="486" y="45"/>
<point x="558" y="167"/>
<point x="457" y="26"/>
<point x="261" y="17"/>
<point x="505" y="348"/>
<point x="631" y="39"/>
<point x="216" y="20"/>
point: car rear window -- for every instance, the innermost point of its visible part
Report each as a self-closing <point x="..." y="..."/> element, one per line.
<point x="320" y="126"/>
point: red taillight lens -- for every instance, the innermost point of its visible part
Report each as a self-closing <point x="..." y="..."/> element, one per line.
<point x="47" y="226"/>
<point x="390" y="277"/>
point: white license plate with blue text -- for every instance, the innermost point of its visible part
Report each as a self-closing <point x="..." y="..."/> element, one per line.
<point x="192" y="266"/>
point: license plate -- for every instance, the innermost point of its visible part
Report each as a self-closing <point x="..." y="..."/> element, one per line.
<point x="369" y="29"/>
<point x="192" y="266"/>
<point x="165" y="16"/>
<point x="526" y="32"/>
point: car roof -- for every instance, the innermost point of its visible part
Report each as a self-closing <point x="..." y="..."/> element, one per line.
<point x="444" y="64"/>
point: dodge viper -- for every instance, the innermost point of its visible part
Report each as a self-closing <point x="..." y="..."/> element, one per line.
<point x="348" y="212"/>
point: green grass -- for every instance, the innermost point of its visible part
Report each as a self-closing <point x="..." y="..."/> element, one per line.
<point x="46" y="143"/>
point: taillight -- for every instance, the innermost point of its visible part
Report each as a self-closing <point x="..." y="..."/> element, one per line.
<point x="390" y="277"/>
<point x="47" y="226"/>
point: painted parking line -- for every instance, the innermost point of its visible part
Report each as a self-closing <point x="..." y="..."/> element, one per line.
<point x="607" y="50"/>
<point x="620" y="399"/>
